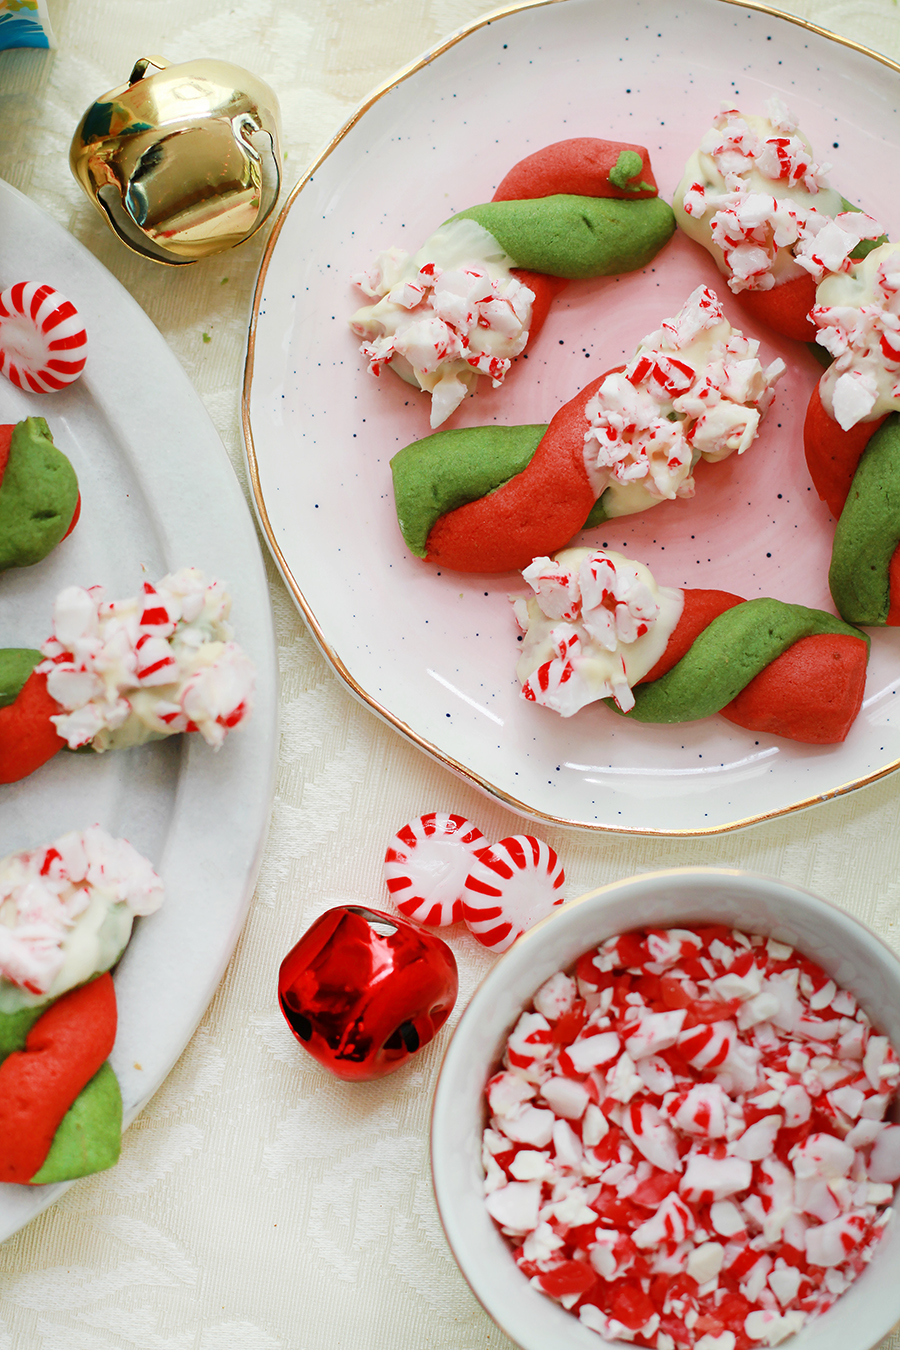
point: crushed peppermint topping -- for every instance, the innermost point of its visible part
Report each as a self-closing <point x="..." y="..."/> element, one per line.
<point x="441" y="318"/>
<point x="687" y="1145"/>
<point x="127" y="671"/>
<point x="597" y="623"/>
<point x="858" y="318"/>
<point x="44" y="894"/>
<point x="695" y="389"/>
<point x="752" y="182"/>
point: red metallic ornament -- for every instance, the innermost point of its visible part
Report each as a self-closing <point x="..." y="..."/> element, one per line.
<point x="363" y="990"/>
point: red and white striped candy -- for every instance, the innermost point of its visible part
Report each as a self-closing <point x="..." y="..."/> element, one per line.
<point x="43" y="345"/>
<point x="426" y="865"/>
<point x="510" y="886"/>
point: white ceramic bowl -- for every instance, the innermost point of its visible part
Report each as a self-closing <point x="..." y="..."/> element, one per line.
<point x="853" y="955"/>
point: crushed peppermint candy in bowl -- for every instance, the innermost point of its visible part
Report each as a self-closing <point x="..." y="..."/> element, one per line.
<point x="666" y="1119"/>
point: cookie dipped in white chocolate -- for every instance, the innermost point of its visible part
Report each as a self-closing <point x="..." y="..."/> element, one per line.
<point x="597" y="624"/>
<point x="754" y="197"/>
<point x="66" y="913"/>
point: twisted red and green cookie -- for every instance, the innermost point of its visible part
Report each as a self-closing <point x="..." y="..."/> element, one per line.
<point x="573" y="210"/>
<point x="28" y="738"/>
<point x="577" y="209"/>
<point x="489" y="499"/>
<point x="39" y="500"/>
<point x="599" y="627"/>
<point x="755" y="198"/>
<point x="765" y="665"/>
<point x="119" y="674"/>
<point x="852" y="435"/>
<point x="60" y="1105"/>
<point x="66" y="915"/>
<point x="857" y="472"/>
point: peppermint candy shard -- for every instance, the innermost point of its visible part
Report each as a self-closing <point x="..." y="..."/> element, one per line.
<point x="43" y="345"/>
<point x="510" y="886"/>
<point x="426" y="866"/>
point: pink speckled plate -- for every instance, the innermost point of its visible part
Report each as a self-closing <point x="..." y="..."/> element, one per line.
<point x="435" y="654"/>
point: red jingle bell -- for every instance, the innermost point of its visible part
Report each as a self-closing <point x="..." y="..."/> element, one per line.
<point x="363" y="990"/>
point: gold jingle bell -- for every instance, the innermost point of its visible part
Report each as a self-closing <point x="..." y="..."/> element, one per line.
<point x="182" y="161"/>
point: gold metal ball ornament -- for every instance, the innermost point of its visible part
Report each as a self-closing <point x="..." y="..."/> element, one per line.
<point x="182" y="161"/>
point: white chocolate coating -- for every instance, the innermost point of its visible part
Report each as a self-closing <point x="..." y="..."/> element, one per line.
<point x="755" y="198"/>
<point x="445" y="315"/>
<point x="66" y="913"/>
<point x="695" y="389"/>
<point x="136" y="670"/>
<point x="598" y="623"/>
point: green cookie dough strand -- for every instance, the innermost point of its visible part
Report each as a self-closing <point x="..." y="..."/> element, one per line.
<point x="598" y="514"/>
<point x="89" y="1137"/>
<point x="865" y="245"/>
<point x="577" y="237"/>
<point x="15" y="1026"/>
<point x="726" y="657"/>
<point x="451" y="468"/>
<point x="868" y="531"/>
<point x="38" y="496"/>
<point x="437" y="474"/>
<point x="16" y="664"/>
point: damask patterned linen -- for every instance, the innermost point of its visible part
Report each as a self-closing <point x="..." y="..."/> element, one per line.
<point x="261" y="1204"/>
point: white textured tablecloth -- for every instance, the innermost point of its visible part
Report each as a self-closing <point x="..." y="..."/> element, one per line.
<point x="260" y="1204"/>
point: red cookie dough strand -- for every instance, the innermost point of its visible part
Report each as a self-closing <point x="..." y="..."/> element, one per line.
<point x="5" y="442"/>
<point x="700" y="608"/>
<point x="545" y="289"/>
<point x="578" y="167"/>
<point x="785" y="308"/>
<point x="832" y="454"/>
<point x="63" y="1051"/>
<point x="533" y="514"/>
<point x="27" y="736"/>
<point x="811" y="693"/>
<point x="893" y="616"/>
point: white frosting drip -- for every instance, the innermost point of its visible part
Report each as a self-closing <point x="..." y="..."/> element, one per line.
<point x="66" y="913"/>
<point x="694" y="389"/>
<point x="597" y="624"/>
<point x="451" y="312"/>
<point x="129" y="671"/>
<point x="753" y="195"/>
<point x="858" y="318"/>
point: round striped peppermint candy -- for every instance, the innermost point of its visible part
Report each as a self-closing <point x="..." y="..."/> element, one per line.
<point x="43" y="345"/>
<point x="509" y="887"/>
<point x="426" y="865"/>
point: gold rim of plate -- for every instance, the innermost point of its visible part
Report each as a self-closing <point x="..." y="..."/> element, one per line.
<point x="506" y="798"/>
